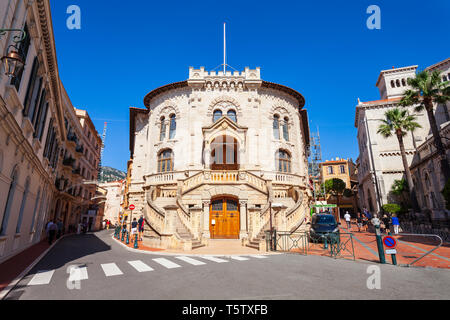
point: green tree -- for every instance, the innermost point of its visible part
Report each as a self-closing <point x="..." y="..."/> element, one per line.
<point x="427" y="89"/>
<point x="399" y="122"/>
<point x="392" y="208"/>
<point x="335" y="187"/>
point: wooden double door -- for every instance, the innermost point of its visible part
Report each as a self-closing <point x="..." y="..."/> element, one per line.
<point x="224" y="218"/>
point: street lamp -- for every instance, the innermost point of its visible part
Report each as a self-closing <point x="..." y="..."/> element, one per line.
<point x="13" y="61"/>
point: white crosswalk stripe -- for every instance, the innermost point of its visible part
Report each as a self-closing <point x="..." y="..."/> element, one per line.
<point x="111" y="269"/>
<point x="238" y="258"/>
<point x="78" y="273"/>
<point x="42" y="277"/>
<point x="140" y="266"/>
<point x="166" y="263"/>
<point x="214" y="259"/>
<point x="191" y="261"/>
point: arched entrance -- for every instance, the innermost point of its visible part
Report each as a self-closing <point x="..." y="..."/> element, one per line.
<point x="224" y="218"/>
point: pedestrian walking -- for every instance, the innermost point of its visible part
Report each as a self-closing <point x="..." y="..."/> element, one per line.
<point x="59" y="225"/>
<point x="359" y="221"/>
<point x="386" y="222"/>
<point x="108" y="223"/>
<point x="395" y="223"/>
<point x="347" y="218"/>
<point x="141" y="227"/>
<point x="134" y="228"/>
<point x="104" y="224"/>
<point x="79" y="228"/>
<point x="51" y="231"/>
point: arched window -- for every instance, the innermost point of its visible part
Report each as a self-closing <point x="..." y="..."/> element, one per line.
<point x="224" y="154"/>
<point x="286" y="129"/>
<point x="9" y="202"/>
<point x="165" y="161"/>
<point x="162" y="133"/>
<point x="397" y="82"/>
<point x="392" y="84"/>
<point x="22" y="206"/>
<point x="276" y="127"/>
<point x="173" y="127"/>
<point x="217" y="115"/>
<point x="404" y="82"/>
<point x="232" y="115"/>
<point x="284" y="161"/>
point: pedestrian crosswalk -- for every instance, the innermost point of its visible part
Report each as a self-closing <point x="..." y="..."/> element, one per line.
<point x="112" y="269"/>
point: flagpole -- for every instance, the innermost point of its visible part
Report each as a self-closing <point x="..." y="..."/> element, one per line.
<point x="224" y="49"/>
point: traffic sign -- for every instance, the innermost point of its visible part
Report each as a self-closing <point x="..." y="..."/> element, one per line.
<point x="131" y="207"/>
<point x="390" y="242"/>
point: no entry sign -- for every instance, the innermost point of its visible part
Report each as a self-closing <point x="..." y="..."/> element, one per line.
<point x="390" y="242"/>
<point x="131" y="207"/>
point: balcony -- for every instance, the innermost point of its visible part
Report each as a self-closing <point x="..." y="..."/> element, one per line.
<point x="69" y="162"/>
<point x="79" y="149"/>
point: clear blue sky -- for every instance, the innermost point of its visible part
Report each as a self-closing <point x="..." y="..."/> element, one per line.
<point x="322" y="49"/>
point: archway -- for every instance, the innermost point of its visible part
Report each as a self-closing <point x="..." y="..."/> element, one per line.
<point x="224" y="218"/>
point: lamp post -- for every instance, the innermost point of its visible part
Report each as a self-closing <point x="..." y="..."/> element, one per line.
<point x="13" y="60"/>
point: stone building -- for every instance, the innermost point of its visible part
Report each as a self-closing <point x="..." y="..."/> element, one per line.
<point x="40" y="160"/>
<point x="345" y="170"/>
<point x="212" y="154"/>
<point x="114" y="198"/>
<point x="425" y="167"/>
<point x="379" y="163"/>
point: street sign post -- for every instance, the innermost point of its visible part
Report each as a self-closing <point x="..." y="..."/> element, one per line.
<point x="391" y="243"/>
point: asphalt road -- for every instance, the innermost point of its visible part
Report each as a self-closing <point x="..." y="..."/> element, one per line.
<point x="105" y="272"/>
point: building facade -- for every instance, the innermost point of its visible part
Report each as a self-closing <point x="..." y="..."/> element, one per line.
<point x="379" y="163"/>
<point x="345" y="170"/>
<point x="425" y="166"/>
<point x="39" y="161"/>
<point x="211" y="154"/>
<point x="114" y="198"/>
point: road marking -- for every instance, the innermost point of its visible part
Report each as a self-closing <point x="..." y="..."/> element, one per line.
<point x="214" y="259"/>
<point x="166" y="263"/>
<point x="111" y="269"/>
<point x="140" y="266"/>
<point x="258" y="256"/>
<point x="191" y="261"/>
<point x="78" y="273"/>
<point x="238" y="258"/>
<point x="42" y="277"/>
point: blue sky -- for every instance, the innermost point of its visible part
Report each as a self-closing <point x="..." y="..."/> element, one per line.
<point x="322" y="49"/>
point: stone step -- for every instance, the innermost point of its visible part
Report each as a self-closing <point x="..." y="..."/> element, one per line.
<point x="254" y="246"/>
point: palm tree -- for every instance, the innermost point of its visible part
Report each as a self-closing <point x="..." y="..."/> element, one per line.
<point x="427" y="88"/>
<point x="398" y="122"/>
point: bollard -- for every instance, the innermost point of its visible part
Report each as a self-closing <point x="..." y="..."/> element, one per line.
<point x="136" y="242"/>
<point x="123" y="235"/>
<point x="128" y="238"/>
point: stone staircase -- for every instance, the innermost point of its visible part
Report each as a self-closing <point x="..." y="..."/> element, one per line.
<point x="254" y="243"/>
<point x="185" y="235"/>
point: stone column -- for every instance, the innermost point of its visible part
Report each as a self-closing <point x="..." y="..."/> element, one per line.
<point x="243" y="232"/>
<point x="205" y="220"/>
<point x="170" y="219"/>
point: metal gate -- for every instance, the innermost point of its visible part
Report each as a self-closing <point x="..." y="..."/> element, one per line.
<point x="335" y="244"/>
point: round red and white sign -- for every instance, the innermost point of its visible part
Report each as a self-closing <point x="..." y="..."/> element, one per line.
<point x="131" y="207"/>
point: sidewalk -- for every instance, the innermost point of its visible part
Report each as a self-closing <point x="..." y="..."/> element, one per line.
<point x="409" y="248"/>
<point x="13" y="267"/>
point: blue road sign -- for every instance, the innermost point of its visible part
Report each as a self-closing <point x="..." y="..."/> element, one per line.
<point x="390" y="242"/>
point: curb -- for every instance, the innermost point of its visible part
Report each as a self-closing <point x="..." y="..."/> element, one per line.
<point x="4" y="293"/>
<point x="190" y="254"/>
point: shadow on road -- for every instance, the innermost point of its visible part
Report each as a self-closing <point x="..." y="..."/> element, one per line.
<point x="70" y="249"/>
